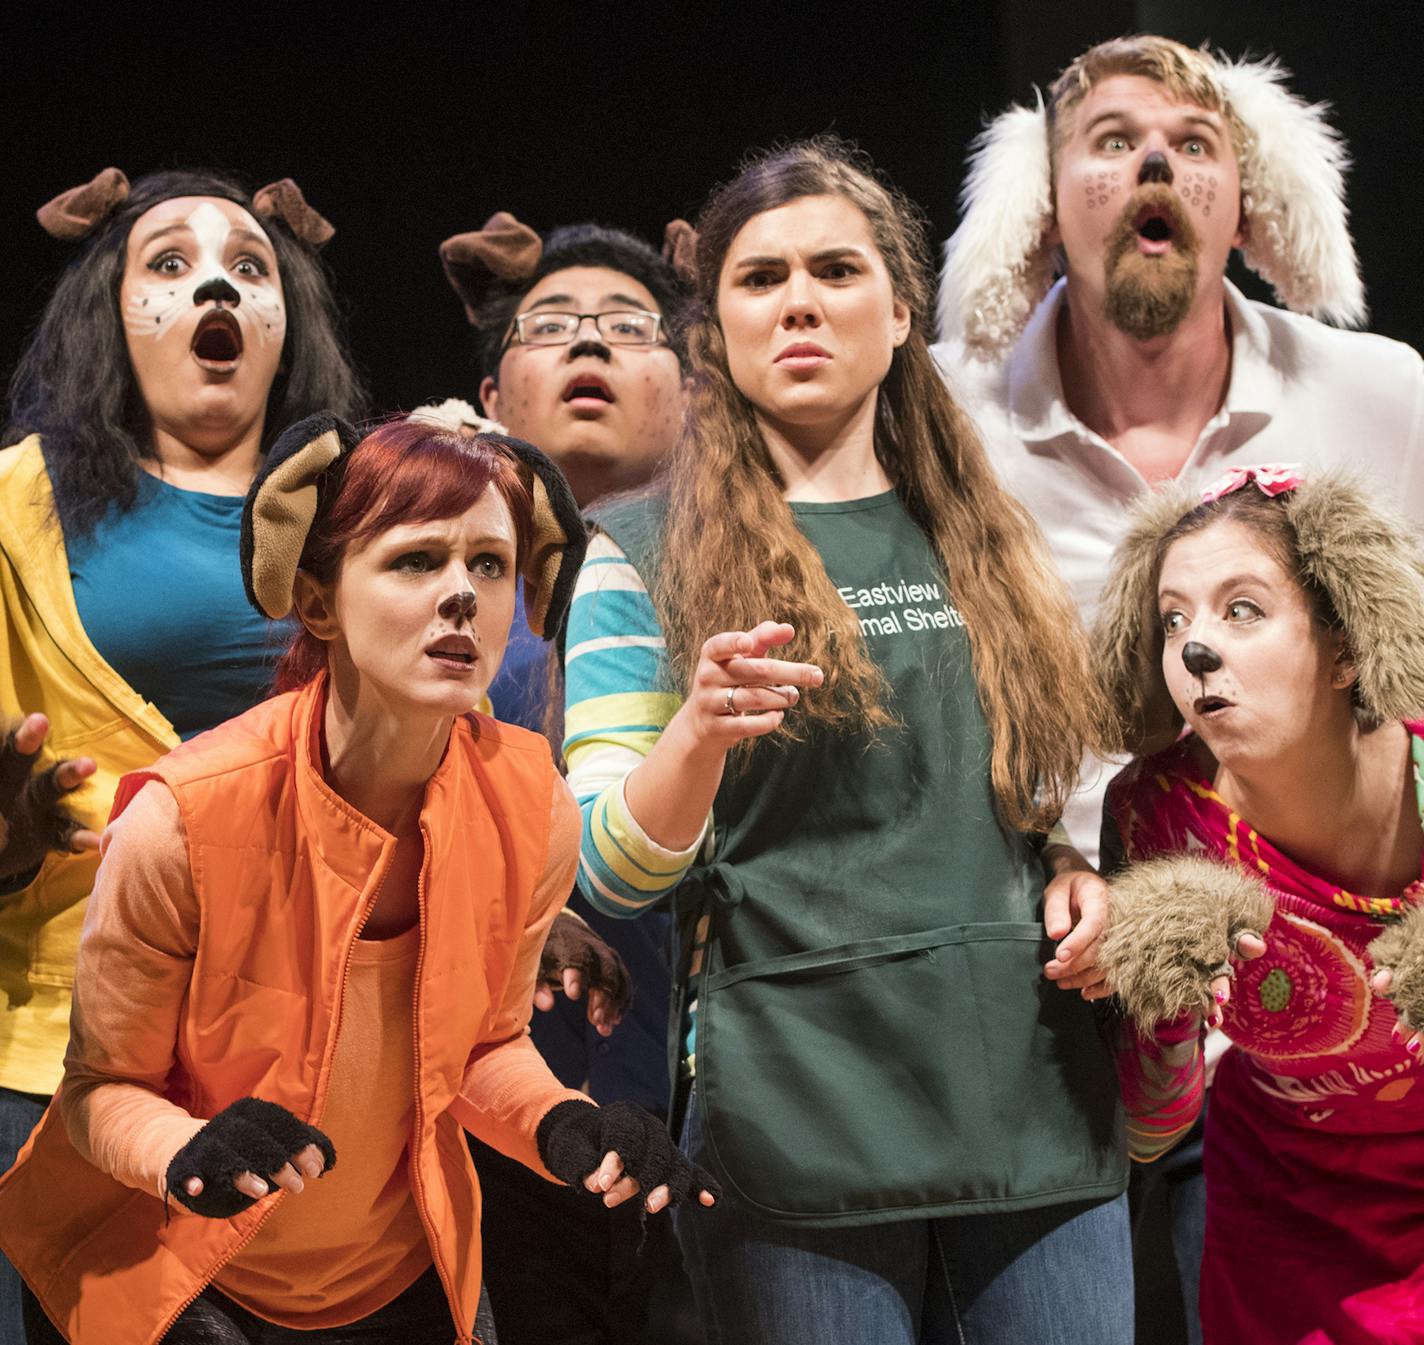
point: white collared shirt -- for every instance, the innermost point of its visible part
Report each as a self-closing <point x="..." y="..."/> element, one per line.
<point x="1299" y="392"/>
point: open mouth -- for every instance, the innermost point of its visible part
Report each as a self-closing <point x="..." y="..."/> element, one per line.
<point x="588" y="388"/>
<point x="453" y="651"/>
<point x="218" y="340"/>
<point x="1154" y="228"/>
<point x="1206" y="706"/>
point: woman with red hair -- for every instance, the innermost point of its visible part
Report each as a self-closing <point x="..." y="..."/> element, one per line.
<point x="316" y="931"/>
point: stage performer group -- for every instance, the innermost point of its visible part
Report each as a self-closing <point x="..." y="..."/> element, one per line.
<point x="804" y="802"/>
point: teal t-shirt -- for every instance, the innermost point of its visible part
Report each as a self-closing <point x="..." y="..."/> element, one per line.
<point x="159" y="592"/>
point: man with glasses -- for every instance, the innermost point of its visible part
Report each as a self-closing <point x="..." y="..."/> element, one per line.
<point x="575" y="340"/>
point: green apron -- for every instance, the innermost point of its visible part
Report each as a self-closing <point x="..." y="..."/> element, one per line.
<point x="875" y="1037"/>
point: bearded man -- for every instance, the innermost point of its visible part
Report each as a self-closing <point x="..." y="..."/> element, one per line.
<point x="1088" y="323"/>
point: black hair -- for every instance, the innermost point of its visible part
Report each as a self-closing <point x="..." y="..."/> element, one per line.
<point x="580" y="245"/>
<point x="74" y="385"/>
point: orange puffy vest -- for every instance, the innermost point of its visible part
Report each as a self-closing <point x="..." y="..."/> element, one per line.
<point x="285" y="872"/>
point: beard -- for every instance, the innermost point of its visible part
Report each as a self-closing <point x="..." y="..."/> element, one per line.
<point x="1148" y="296"/>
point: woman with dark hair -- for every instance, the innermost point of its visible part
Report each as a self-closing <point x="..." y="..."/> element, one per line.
<point x="316" y="931"/>
<point x="194" y="322"/>
<point x="1275" y="619"/>
<point x="916" y="1130"/>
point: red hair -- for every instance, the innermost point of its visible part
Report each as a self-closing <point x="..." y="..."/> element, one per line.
<point x="401" y="472"/>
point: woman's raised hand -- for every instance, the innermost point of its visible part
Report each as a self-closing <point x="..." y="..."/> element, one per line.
<point x="737" y="692"/>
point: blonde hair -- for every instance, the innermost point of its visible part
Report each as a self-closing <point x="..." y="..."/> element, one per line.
<point x="1189" y="75"/>
<point x="733" y="555"/>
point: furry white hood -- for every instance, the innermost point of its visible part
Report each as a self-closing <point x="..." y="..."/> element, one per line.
<point x="998" y="265"/>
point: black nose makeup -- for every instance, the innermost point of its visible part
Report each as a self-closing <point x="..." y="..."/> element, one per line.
<point x="217" y="289"/>
<point x="1199" y="659"/>
<point x="459" y="607"/>
<point x="1155" y="168"/>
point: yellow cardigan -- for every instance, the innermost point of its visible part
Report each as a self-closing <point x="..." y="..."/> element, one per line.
<point x="47" y="663"/>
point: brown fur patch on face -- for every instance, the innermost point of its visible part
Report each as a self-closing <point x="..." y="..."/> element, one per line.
<point x="1149" y="296"/>
<point x="1173" y="924"/>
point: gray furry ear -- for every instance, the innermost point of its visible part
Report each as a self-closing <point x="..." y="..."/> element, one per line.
<point x="1400" y="951"/>
<point x="1173" y="924"/>
<point x="1126" y="636"/>
<point x="1369" y="563"/>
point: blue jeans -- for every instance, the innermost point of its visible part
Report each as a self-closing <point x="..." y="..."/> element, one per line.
<point x="1055" y="1276"/>
<point x="19" y="1114"/>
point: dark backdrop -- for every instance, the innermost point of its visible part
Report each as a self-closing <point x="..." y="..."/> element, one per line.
<point x="421" y="124"/>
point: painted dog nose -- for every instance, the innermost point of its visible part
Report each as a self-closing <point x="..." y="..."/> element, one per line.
<point x="459" y="607"/>
<point x="1200" y="659"/>
<point x="218" y="289"/>
<point x="1155" y="168"/>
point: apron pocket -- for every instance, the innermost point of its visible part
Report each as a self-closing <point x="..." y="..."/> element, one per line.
<point x="922" y="1073"/>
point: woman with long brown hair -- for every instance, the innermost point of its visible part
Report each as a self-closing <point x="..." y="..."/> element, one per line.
<point x="916" y="1132"/>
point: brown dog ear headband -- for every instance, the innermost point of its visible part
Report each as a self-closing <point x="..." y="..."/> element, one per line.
<point x="78" y="212"/>
<point x="504" y="249"/>
<point x="508" y="251"/>
<point x="680" y="251"/>
<point x="304" y="465"/>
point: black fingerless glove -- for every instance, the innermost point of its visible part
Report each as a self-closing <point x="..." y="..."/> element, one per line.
<point x="248" y="1136"/>
<point x="574" y="1136"/>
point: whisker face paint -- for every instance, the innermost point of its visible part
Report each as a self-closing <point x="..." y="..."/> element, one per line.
<point x="204" y="317"/>
<point x="185" y="256"/>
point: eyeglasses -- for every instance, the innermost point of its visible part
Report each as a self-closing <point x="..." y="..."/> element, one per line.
<point x="621" y="327"/>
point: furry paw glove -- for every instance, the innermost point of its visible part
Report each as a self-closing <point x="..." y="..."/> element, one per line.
<point x="31" y="821"/>
<point x="1400" y="950"/>
<point x="1173" y="925"/>
<point x="248" y="1136"/>
<point x="572" y="944"/>
<point x="574" y="1136"/>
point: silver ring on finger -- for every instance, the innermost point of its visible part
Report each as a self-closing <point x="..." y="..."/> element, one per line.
<point x="730" y="707"/>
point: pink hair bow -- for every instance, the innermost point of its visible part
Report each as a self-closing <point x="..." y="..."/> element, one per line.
<point x="1270" y="478"/>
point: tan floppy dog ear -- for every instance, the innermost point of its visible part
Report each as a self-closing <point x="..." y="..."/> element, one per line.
<point x="1126" y="640"/>
<point x="284" y="200"/>
<point x="504" y="249"/>
<point x="281" y="504"/>
<point x="558" y="539"/>
<point x="76" y="213"/>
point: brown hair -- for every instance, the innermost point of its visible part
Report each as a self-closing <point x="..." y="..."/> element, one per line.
<point x="732" y="554"/>
<point x="1186" y="73"/>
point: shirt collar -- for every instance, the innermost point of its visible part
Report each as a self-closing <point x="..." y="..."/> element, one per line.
<point x="1037" y="407"/>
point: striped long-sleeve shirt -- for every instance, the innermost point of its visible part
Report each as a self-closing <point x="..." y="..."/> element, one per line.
<point x="617" y="704"/>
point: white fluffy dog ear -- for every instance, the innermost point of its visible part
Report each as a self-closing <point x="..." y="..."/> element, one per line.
<point x="998" y="265"/>
<point x="1293" y="195"/>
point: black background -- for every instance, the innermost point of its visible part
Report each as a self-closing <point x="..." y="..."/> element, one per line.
<point x="421" y="122"/>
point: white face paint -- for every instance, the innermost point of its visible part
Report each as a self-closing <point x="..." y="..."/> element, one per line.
<point x="202" y="267"/>
<point x="217" y="243"/>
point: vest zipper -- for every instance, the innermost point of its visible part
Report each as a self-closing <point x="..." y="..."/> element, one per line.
<point x="216" y="1270"/>
<point x="417" y="1183"/>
